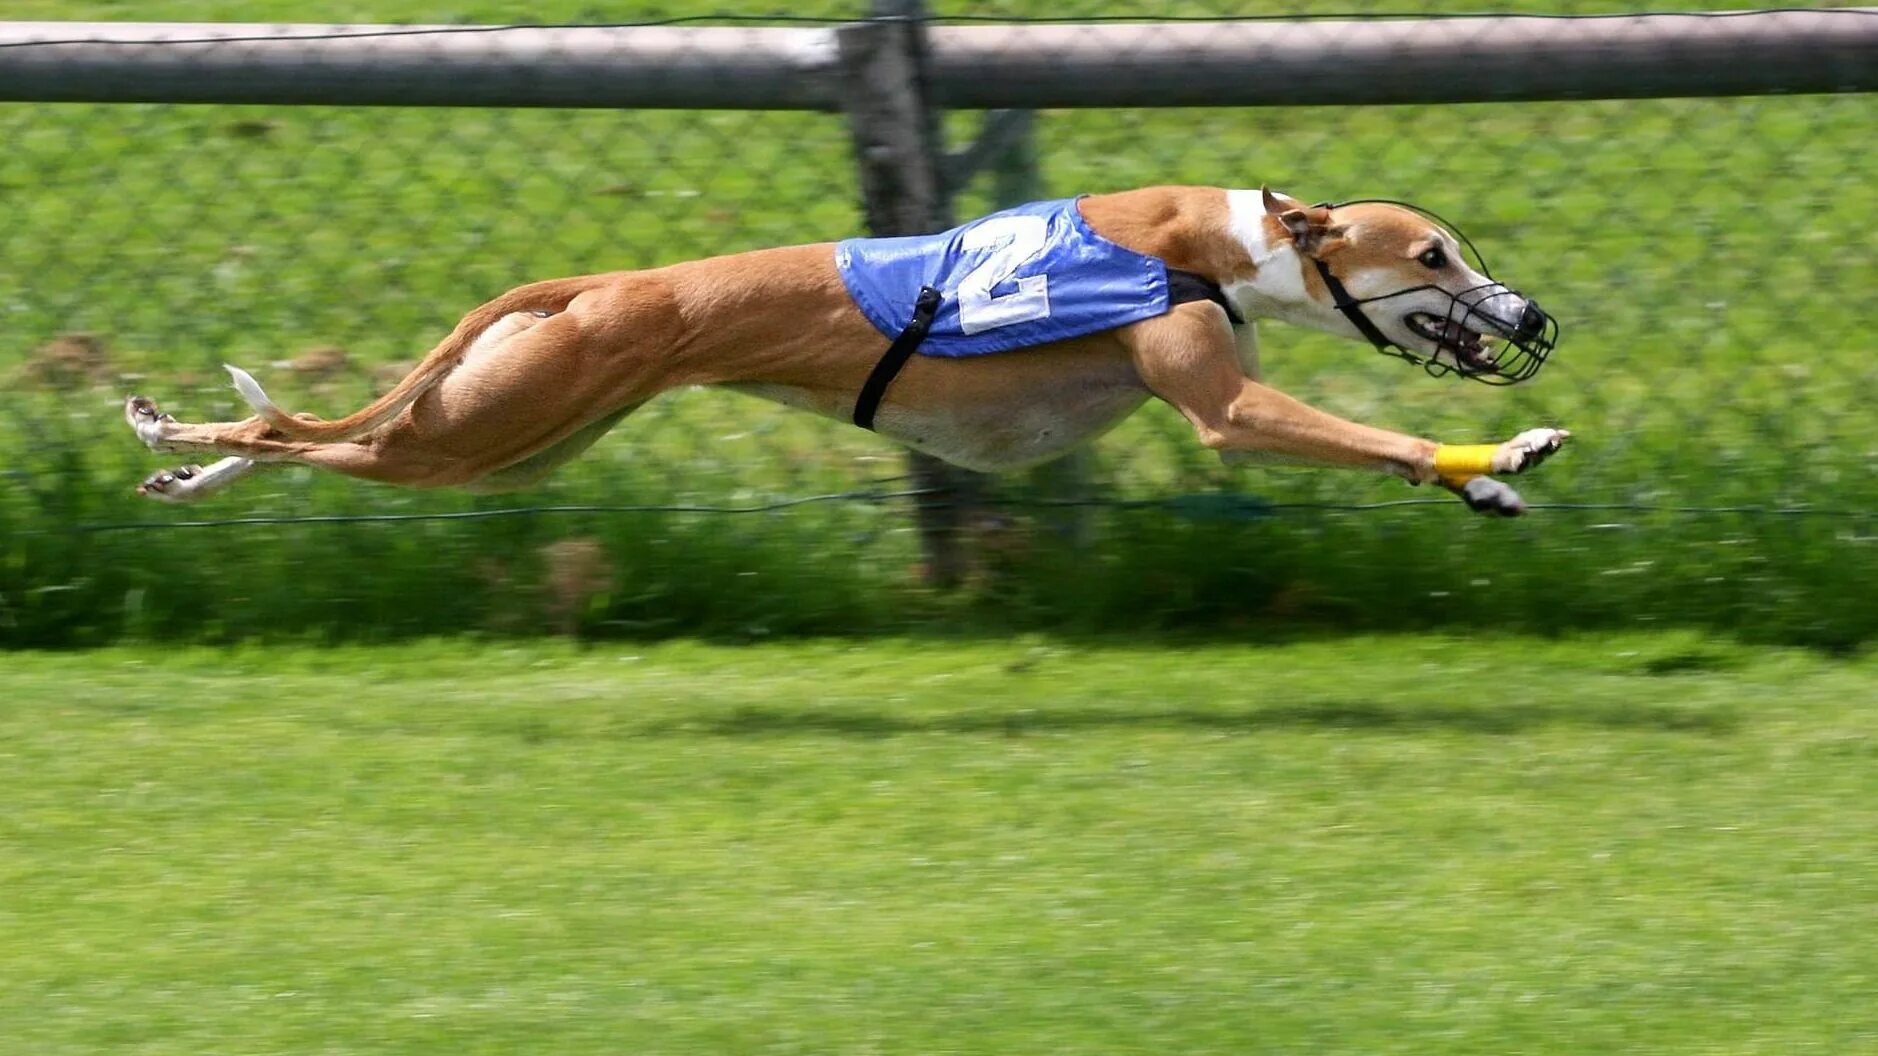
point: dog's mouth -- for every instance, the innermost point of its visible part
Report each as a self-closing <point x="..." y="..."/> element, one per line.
<point x="1468" y="347"/>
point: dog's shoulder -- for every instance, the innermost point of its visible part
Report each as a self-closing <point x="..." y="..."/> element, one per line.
<point x="1190" y="228"/>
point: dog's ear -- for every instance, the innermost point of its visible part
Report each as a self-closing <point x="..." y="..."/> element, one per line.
<point x="1308" y="226"/>
<point x="1277" y="202"/>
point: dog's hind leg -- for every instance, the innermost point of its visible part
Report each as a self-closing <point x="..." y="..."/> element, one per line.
<point x="536" y="394"/>
<point x="518" y="410"/>
<point x="260" y="437"/>
<point x="400" y="457"/>
<point x="249" y="438"/>
<point x="536" y="467"/>
<point x="195" y="483"/>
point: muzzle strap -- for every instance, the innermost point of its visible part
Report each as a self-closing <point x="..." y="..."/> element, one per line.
<point x="1351" y="308"/>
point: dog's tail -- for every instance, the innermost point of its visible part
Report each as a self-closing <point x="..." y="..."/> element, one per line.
<point x="551" y="296"/>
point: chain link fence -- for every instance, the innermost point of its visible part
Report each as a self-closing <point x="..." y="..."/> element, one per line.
<point x="1711" y="260"/>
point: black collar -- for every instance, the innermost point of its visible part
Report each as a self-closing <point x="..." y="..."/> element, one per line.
<point x="1184" y="286"/>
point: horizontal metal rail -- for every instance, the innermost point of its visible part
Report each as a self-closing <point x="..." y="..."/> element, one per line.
<point x="1450" y="60"/>
<point x="1004" y="65"/>
<point x="732" y="67"/>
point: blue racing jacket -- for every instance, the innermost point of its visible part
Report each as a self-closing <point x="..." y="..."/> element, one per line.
<point x="1018" y="278"/>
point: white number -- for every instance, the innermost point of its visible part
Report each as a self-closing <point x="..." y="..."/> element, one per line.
<point x="1023" y="238"/>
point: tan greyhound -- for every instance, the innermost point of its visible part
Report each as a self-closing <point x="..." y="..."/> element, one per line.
<point x="529" y="380"/>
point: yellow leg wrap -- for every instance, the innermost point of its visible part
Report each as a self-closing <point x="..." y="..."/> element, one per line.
<point x="1460" y="463"/>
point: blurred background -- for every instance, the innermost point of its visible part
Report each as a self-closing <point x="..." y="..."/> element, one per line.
<point x="1710" y="259"/>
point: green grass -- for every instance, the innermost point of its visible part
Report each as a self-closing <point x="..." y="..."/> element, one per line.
<point x="1385" y="845"/>
<point x="1703" y="255"/>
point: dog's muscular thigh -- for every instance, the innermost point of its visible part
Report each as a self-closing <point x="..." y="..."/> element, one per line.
<point x="529" y="389"/>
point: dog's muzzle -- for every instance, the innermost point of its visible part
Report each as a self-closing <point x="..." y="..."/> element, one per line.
<point x="1525" y="334"/>
<point x="1474" y="316"/>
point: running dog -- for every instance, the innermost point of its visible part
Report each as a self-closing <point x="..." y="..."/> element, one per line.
<point x="996" y="345"/>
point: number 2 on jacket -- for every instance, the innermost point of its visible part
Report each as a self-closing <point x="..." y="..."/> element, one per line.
<point x="979" y="308"/>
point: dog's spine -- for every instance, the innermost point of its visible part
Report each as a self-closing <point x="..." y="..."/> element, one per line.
<point x="552" y="296"/>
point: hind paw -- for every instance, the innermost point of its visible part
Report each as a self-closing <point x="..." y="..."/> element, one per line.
<point x="152" y="426"/>
<point x="171" y="485"/>
<point x="190" y="483"/>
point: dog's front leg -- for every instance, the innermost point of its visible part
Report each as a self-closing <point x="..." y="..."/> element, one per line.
<point x="1246" y="349"/>
<point x="1190" y="359"/>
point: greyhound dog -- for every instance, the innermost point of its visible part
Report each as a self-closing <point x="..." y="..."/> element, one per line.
<point x="1036" y="329"/>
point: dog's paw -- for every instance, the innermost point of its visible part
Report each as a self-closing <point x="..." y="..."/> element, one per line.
<point x="151" y="425"/>
<point x="171" y="485"/>
<point x="1528" y="449"/>
<point x="1491" y="497"/>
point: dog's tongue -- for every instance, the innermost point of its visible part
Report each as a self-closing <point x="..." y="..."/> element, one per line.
<point x="1469" y="346"/>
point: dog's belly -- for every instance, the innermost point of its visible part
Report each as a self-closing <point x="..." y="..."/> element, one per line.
<point x="990" y="432"/>
<point x="998" y="436"/>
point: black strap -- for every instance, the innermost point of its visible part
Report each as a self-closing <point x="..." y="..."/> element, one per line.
<point x="1351" y="308"/>
<point x="1185" y="286"/>
<point x="896" y="356"/>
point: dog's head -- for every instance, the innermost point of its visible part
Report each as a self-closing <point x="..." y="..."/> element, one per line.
<point x="1393" y="275"/>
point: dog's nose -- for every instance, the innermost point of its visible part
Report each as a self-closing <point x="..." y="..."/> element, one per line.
<point x="1531" y="322"/>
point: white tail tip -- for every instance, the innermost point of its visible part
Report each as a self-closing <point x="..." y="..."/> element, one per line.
<point x="251" y="390"/>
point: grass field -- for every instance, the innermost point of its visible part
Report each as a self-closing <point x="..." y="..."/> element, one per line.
<point x="1603" y="844"/>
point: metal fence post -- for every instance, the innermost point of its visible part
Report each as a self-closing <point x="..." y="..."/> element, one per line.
<point x="898" y="146"/>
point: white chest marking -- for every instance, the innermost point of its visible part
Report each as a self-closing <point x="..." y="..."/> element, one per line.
<point x="1276" y="289"/>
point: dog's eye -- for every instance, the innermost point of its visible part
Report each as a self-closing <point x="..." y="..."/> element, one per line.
<point x="1434" y="258"/>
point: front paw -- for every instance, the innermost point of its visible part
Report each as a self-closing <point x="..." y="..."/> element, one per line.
<point x="1489" y="496"/>
<point x="1528" y="449"/>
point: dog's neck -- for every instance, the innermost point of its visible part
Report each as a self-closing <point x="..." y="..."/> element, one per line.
<point x="1221" y="234"/>
<point x="1276" y="288"/>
